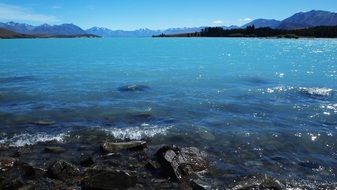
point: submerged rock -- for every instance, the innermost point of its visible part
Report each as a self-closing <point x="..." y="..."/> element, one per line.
<point x="183" y="164"/>
<point x="44" y="122"/>
<point x="6" y="163"/>
<point x="110" y="147"/>
<point x="54" y="149"/>
<point x="62" y="170"/>
<point x="206" y="135"/>
<point x="133" y="88"/>
<point x="108" y="179"/>
<point x="142" y="117"/>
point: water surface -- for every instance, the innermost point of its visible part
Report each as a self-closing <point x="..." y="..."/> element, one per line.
<point x="256" y="106"/>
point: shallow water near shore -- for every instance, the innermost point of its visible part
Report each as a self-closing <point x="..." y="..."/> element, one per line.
<point x="258" y="107"/>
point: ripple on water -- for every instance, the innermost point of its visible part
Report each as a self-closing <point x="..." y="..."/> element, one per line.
<point x="315" y="91"/>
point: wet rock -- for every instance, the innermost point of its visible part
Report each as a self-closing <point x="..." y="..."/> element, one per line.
<point x="110" y="147"/>
<point x="62" y="170"/>
<point x="86" y="161"/>
<point x="54" y="149"/>
<point x="184" y="163"/>
<point x="6" y="163"/>
<point x="44" y="122"/>
<point x="133" y="88"/>
<point x="108" y="179"/>
<point x="29" y="171"/>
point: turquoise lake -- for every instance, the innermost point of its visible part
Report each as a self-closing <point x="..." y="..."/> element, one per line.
<point x="256" y="106"/>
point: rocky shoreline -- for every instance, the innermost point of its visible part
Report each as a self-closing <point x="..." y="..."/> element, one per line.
<point x="120" y="165"/>
<point x="116" y="165"/>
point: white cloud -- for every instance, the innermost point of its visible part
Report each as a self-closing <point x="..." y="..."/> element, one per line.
<point x="245" y="19"/>
<point x="218" y="22"/>
<point x="17" y="13"/>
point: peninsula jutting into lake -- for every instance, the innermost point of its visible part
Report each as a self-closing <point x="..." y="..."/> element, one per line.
<point x="222" y="101"/>
<point x="252" y="32"/>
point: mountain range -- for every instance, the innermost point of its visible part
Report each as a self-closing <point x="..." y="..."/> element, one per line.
<point x="297" y="21"/>
<point x="63" y="29"/>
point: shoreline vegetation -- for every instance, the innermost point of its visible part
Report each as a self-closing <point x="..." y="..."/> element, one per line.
<point x="8" y="34"/>
<point x="252" y="32"/>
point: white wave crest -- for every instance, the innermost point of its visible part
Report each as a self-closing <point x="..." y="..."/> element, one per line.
<point x="317" y="91"/>
<point x="29" y="139"/>
<point x="279" y="89"/>
<point x="137" y="133"/>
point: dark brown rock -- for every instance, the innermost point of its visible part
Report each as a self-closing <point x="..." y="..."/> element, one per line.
<point x="6" y="163"/>
<point x="62" y="170"/>
<point x="108" y="179"/>
<point x="110" y="147"/>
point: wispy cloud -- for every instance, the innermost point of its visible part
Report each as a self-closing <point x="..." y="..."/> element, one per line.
<point x="18" y="13"/>
<point x="56" y="7"/>
<point x="218" y="22"/>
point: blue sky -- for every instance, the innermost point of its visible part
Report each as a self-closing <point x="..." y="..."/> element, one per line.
<point x="154" y="14"/>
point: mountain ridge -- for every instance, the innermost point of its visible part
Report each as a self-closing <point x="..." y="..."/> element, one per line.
<point x="297" y="21"/>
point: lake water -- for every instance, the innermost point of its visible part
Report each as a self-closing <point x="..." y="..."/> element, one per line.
<point x="256" y="106"/>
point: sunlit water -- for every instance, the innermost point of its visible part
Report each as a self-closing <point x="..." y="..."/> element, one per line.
<point x="256" y="106"/>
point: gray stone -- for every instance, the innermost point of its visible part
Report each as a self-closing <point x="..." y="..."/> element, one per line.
<point x="54" y="149"/>
<point x="184" y="163"/>
<point x="62" y="170"/>
<point x="110" y="147"/>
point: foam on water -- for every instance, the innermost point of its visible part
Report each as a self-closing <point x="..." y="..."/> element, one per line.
<point x="137" y="133"/>
<point x="315" y="91"/>
<point x="32" y="139"/>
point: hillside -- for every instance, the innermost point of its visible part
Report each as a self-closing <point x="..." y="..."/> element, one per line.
<point x="309" y="19"/>
<point x="261" y="23"/>
<point x="4" y="33"/>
